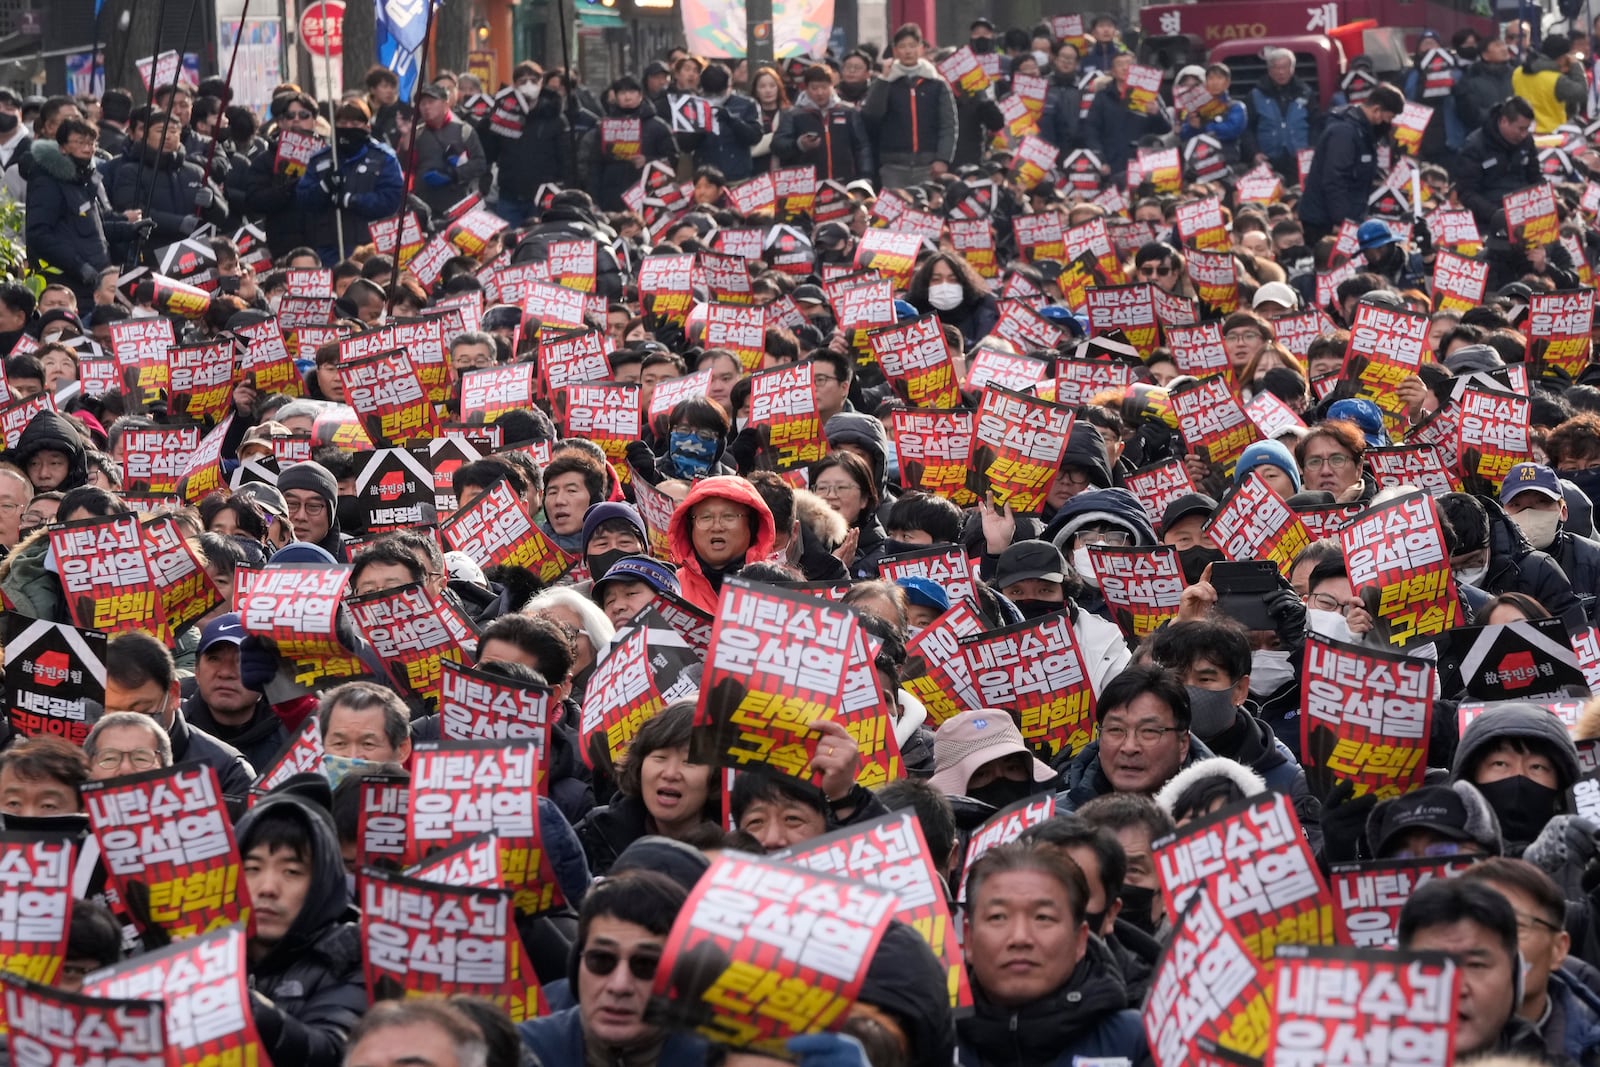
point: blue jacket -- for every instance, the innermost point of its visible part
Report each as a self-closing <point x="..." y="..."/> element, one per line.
<point x="558" y="1039"/>
<point x="1576" y="1007"/>
<point x="374" y="189"/>
<point x="1227" y="128"/>
<point x="1282" y="118"/>
<point x="1444" y="109"/>
<point x="1342" y="172"/>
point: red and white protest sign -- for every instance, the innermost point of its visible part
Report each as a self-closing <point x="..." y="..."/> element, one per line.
<point x="1400" y="568"/>
<point x="1365" y="718"/>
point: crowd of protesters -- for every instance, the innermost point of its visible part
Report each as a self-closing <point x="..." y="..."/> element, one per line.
<point x="1063" y="928"/>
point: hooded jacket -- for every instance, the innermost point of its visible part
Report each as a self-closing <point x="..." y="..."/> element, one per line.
<point x="845" y="152"/>
<point x="1573" y="1026"/>
<point x="913" y="116"/>
<point x="1342" y="170"/>
<point x="699" y="588"/>
<point x="259" y="741"/>
<point x="1516" y="566"/>
<point x="70" y="224"/>
<point x="568" y="222"/>
<point x="313" y="976"/>
<point x="318" y="479"/>
<point x="1489" y="167"/>
<point x="1087" y="1018"/>
<point x="905" y="979"/>
<point x="1520" y="720"/>
<point x="1251" y="744"/>
<point x="50" y="431"/>
<point x="1579" y="559"/>
<point x="1111" y="506"/>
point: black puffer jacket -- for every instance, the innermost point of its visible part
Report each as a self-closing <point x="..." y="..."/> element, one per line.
<point x="234" y="772"/>
<point x="1342" y="170"/>
<point x="1515" y="566"/>
<point x="845" y="152"/>
<point x="312" y="979"/>
<point x="269" y="198"/>
<point x="1488" y="168"/>
<point x="1089" y="1017"/>
<point x="608" y="177"/>
<point x="174" y="188"/>
<point x="70" y="224"/>
<point x="568" y="222"/>
<point x="531" y="146"/>
<point x="610" y="828"/>
<point x="1579" y="559"/>
<point x="1482" y="86"/>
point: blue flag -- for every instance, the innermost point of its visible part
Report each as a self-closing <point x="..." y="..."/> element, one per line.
<point x="401" y="26"/>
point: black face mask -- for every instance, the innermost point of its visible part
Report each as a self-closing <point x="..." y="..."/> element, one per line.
<point x="822" y="324"/>
<point x="1095" y="920"/>
<point x="1382" y="129"/>
<point x="1038" y="609"/>
<point x="1137" y="906"/>
<point x="1002" y="792"/>
<point x="1194" y="561"/>
<point x="982" y="45"/>
<point x="352" y="514"/>
<point x="1588" y="481"/>
<point x="1468" y="52"/>
<point x="9" y="121"/>
<point x="350" y="142"/>
<point x="1523" y="806"/>
<point x="600" y="562"/>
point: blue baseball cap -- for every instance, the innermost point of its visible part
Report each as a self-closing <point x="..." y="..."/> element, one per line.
<point x="1064" y="318"/>
<point x="924" y="592"/>
<point x="651" y="572"/>
<point x="224" y="628"/>
<point x="1366" y="416"/>
<point x="1375" y="233"/>
<point x="1530" y="478"/>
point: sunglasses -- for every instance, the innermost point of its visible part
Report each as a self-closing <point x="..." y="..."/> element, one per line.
<point x="298" y="115"/>
<point x="601" y="962"/>
<point x="1155" y="272"/>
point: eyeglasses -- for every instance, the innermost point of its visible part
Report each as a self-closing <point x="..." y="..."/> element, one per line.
<point x="824" y="379"/>
<point x="1437" y="848"/>
<point x="311" y="508"/>
<point x="837" y="488"/>
<point x="1243" y="335"/>
<point x="1526" y="924"/>
<point x="143" y="759"/>
<point x="1148" y="734"/>
<point x="1336" y="462"/>
<point x="1110" y="538"/>
<point x="708" y="436"/>
<point x="9" y="508"/>
<point x="298" y="115"/>
<point x="1329" y="602"/>
<point x="1155" y="272"/>
<point x="1073" y="476"/>
<point x="707" y="520"/>
<point x="601" y="962"/>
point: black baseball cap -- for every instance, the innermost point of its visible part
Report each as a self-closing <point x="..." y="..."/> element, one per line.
<point x="1030" y="559"/>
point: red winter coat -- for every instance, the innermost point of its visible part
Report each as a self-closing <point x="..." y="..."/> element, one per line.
<point x="691" y="580"/>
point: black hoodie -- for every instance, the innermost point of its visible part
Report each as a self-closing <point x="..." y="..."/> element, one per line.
<point x="1087" y="1018"/>
<point x="312" y="979"/>
<point x="49" y="431"/>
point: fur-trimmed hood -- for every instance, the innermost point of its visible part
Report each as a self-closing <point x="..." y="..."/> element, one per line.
<point x="49" y="158"/>
<point x="813" y="512"/>
<point x="1249" y="782"/>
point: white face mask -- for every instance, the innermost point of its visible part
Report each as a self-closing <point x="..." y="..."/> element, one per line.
<point x="944" y="295"/>
<point x="1081" y="564"/>
<point x="1474" y="576"/>
<point x="1329" y="624"/>
<point x="1539" y="527"/>
<point x="1043" y="59"/>
<point x="1269" y="672"/>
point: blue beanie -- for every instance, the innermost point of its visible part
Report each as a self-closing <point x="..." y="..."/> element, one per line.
<point x="607" y="510"/>
<point x="1267" y="452"/>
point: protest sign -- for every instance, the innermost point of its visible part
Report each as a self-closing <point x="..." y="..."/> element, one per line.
<point x="1558" y="328"/>
<point x="168" y="846"/>
<point x="495" y="531"/>
<point x="1158" y="485"/>
<point x="776" y="663"/>
<point x="1531" y="219"/>
<point x="1399" y="566"/>
<point x="948" y="566"/>
<point x="1213" y="424"/>
<point x="427" y="938"/>
<point x="1365" y="718"/>
<point x="1386" y="346"/>
<point x="201" y="387"/>
<point x="1255" y="862"/>
<point x="1370" y="893"/>
<point x="1198" y="349"/>
<point x="105" y="575"/>
<point x="864" y="714"/>
<point x="389" y="398"/>
<point x="783" y="402"/>
<point x="933" y="446"/>
<point x="462" y="788"/>
<point x="488" y="393"/>
<point x="606" y="413"/>
<point x="406" y="629"/>
<point x="630" y="687"/>
<point x="50" y="1027"/>
<point x="477" y="705"/>
<point x="936" y="671"/>
<point x="1458" y="282"/>
<point x="154" y="457"/>
<point x="764" y="950"/>
<point x="1253" y="522"/>
<point x="296" y="606"/>
<point x="396" y="488"/>
<point x="916" y="362"/>
<point x="1418" y="466"/>
<point x="1017" y="445"/>
<point x="1003" y="827"/>
<point x="301" y="753"/>
<point x="1126" y="308"/>
<point x="203" y="983"/>
<point x="1400" y="1008"/>
<point x="180" y="579"/>
<point x="1207" y="987"/>
<point x="36" y="875"/>
<point x="890" y="852"/>
<point x="571" y="357"/>
<point x="1527" y="660"/>
<point x="1141" y="586"/>
<point x="1201" y="225"/>
<point x="53" y="670"/>
<point x="1035" y="669"/>
<point x="382" y="829"/>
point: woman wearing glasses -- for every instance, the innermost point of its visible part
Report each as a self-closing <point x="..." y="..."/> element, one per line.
<point x="845" y="482"/>
<point x="1330" y="459"/>
<point x="266" y="188"/>
<point x="721" y="525"/>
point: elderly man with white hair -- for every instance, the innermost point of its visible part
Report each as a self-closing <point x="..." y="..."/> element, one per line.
<point x="1284" y="119"/>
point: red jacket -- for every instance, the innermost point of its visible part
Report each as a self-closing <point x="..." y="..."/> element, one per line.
<point x="691" y="580"/>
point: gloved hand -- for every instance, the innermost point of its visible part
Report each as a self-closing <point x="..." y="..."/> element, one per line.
<point x="188" y="224"/>
<point x="343" y="199"/>
<point x="333" y="184"/>
<point x="258" y="663"/>
<point x="1288" y="612"/>
<point x="744" y="448"/>
<point x="437" y="178"/>
<point x="1564" y="850"/>
<point x="144" y="228"/>
<point x="456" y="156"/>
<point x="1344" y="823"/>
<point x="641" y="459"/>
<point x="203" y="198"/>
<point x="87" y="274"/>
<point x="828" y="1050"/>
